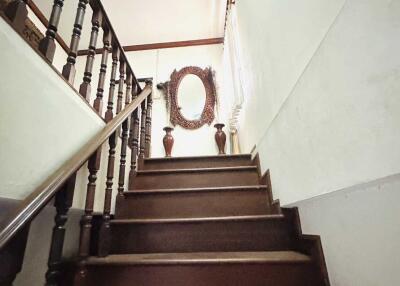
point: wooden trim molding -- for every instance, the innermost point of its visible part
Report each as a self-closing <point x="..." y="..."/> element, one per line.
<point x="165" y="45"/>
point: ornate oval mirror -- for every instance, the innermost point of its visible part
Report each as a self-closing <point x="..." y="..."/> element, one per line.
<point x="192" y="96"/>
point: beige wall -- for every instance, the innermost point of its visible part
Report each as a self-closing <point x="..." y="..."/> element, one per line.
<point x="42" y="120"/>
<point x="323" y="109"/>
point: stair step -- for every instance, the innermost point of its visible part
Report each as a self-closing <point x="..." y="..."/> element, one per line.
<point x="283" y="268"/>
<point x="197" y="162"/>
<point x="194" y="202"/>
<point x="195" y="178"/>
<point x="201" y="258"/>
<point x="235" y="233"/>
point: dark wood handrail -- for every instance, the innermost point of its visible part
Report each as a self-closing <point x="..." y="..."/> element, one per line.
<point x="39" y="198"/>
<point x="96" y="4"/>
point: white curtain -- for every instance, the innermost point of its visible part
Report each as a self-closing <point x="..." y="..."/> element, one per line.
<point x="232" y="46"/>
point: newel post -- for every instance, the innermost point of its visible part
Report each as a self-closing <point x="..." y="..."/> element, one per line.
<point x="17" y="13"/>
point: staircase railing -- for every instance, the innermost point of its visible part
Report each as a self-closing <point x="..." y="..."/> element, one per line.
<point x="132" y="123"/>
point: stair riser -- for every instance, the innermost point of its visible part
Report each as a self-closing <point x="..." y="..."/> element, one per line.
<point x="207" y="236"/>
<point x="197" y="163"/>
<point x="283" y="274"/>
<point x="193" y="204"/>
<point x="195" y="180"/>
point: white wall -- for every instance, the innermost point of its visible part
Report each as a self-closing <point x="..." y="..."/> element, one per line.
<point x="42" y="121"/>
<point x="159" y="64"/>
<point x="278" y="39"/>
<point x="336" y="127"/>
<point x="359" y="232"/>
<point x="323" y="110"/>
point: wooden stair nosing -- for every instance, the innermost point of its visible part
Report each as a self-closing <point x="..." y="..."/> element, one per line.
<point x="162" y="159"/>
<point x="193" y="190"/>
<point x="195" y="170"/>
<point x="270" y="257"/>
<point x="199" y="220"/>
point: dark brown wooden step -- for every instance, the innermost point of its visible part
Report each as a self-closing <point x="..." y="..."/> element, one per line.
<point x="284" y="268"/>
<point x="244" y="233"/>
<point x="194" y="202"/>
<point x="197" y="162"/>
<point x="195" y="178"/>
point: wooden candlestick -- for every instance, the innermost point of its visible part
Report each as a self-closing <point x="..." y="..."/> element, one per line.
<point x="168" y="141"/>
<point x="220" y="138"/>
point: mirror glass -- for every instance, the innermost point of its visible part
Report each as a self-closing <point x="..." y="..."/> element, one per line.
<point x="191" y="97"/>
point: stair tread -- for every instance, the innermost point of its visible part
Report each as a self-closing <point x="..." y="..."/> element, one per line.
<point x="202" y="258"/>
<point x="204" y="189"/>
<point x="192" y="170"/>
<point x="202" y="219"/>
<point x="197" y="157"/>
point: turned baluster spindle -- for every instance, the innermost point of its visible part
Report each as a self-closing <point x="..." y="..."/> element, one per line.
<point x="134" y="138"/>
<point x="17" y="13"/>
<point x="142" y="141"/>
<point x="86" y="221"/>
<point x="47" y="45"/>
<point x="85" y="87"/>
<point x="148" y="127"/>
<point x="98" y="102"/>
<point x="121" y="84"/>
<point x="105" y="239"/>
<point x="69" y="69"/>
<point x="128" y="91"/>
<point x="122" y="165"/>
<point x="110" y="105"/>
<point x="62" y="203"/>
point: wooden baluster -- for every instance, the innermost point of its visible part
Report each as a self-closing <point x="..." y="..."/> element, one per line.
<point x="122" y="165"/>
<point x="128" y="91"/>
<point x="148" y="127"/>
<point x="95" y="159"/>
<point x="142" y="145"/>
<point x="47" y="45"/>
<point x="86" y="221"/>
<point x="98" y="102"/>
<point x="109" y="113"/>
<point x="63" y="203"/>
<point x="134" y="139"/>
<point x="121" y="85"/>
<point x="17" y="13"/>
<point x="69" y="69"/>
<point x="105" y="236"/>
<point x="85" y="87"/>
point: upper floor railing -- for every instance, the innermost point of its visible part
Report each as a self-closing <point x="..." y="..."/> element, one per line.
<point x="128" y="118"/>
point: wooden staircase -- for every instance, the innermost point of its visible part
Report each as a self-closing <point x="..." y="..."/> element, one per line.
<point x="204" y="221"/>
